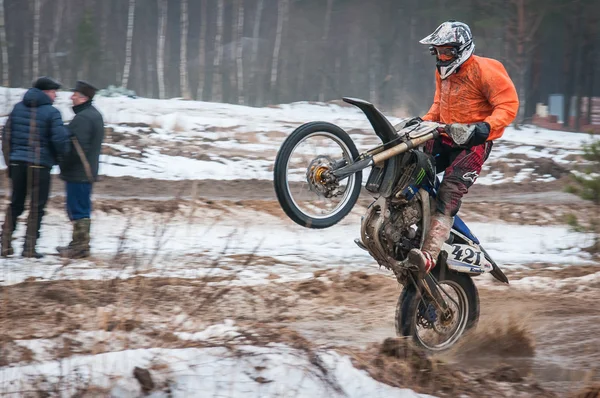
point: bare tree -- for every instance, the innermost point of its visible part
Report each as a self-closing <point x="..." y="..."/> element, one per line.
<point x="160" y="53"/>
<point x="240" y="47"/>
<point x="324" y="41"/>
<point x="128" y="43"/>
<point x="55" y="32"/>
<point x="104" y="48"/>
<point x="373" y="63"/>
<point x="521" y="31"/>
<point x="202" y="51"/>
<point x="183" y="74"/>
<point x="5" y="80"/>
<point x="255" y="34"/>
<point x="281" y="15"/>
<point x="36" y="37"/>
<point x="217" y="92"/>
<point x="233" y="53"/>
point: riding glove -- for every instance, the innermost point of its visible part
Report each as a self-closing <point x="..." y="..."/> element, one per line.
<point x="414" y="120"/>
<point x="481" y="132"/>
<point x="469" y="135"/>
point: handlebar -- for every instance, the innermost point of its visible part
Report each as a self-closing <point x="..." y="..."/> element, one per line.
<point x="424" y="132"/>
<point x="405" y="146"/>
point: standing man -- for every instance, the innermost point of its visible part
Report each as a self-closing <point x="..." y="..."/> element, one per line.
<point x="32" y="140"/>
<point x="79" y="170"/>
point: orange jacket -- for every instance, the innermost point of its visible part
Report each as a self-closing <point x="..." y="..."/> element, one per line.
<point x="481" y="91"/>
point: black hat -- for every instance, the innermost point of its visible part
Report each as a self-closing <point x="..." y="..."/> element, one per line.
<point x="46" y="83"/>
<point x="85" y="88"/>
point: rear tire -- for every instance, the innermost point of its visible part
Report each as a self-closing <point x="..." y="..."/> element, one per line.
<point x="280" y="182"/>
<point x="409" y="300"/>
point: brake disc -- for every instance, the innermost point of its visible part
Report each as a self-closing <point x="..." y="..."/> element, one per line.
<point x="319" y="178"/>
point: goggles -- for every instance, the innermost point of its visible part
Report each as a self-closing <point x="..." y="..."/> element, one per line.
<point x="445" y="52"/>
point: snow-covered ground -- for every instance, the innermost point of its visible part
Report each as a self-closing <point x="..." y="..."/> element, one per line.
<point x="167" y="246"/>
<point x="181" y="140"/>
<point x="189" y="140"/>
<point x="276" y="370"/>
<point x="176" y="139"/>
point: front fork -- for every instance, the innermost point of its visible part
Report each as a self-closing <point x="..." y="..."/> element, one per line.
<point x="430" y="288"/>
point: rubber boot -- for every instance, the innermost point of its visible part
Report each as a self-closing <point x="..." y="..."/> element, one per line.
<point x="62" y="250"/>
<point x="7" y="232"/>
<point x="80" y="245"/>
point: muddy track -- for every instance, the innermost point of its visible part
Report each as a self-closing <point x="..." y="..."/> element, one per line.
<point x="539" y="336"/>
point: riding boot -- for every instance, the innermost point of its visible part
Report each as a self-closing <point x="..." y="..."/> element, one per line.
<point x="439" y="232"/>
<point x="7" y="232"/>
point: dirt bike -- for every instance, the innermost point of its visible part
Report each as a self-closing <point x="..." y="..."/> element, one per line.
<point x="318" y="189"/>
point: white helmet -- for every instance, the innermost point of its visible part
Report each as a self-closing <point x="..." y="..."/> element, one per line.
<point x="456" y="35"/>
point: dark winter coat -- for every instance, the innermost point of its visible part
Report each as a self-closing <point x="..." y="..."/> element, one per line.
<point x="35" y="132"/>
<point x="88" y="128"/>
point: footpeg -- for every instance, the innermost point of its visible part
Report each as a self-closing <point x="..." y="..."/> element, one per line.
<point x="360" y="244"/>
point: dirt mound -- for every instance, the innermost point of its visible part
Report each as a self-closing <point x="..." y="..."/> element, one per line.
<point x="312" y="287"/>
<point x="588" y="392"/>
<point x="362" y="282"/>
<point x="506" y="373"/>
<point x="399" y="363"/>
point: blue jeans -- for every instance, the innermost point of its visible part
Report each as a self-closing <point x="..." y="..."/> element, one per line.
<point x="79" y="202"/>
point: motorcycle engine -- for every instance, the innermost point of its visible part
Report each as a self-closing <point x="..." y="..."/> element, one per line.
<point x="399" y="232"/>
<point x="391" y="229"/>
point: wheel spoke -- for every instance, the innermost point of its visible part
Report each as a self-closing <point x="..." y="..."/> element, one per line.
<point x="437" y="334"/>
<point x="311" y="159"/>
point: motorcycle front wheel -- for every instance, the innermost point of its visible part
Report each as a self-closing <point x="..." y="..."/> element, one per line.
<point x="307" y="155"/>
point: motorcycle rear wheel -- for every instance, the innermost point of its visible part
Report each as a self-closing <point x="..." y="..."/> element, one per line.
<point x="413" y="309"/>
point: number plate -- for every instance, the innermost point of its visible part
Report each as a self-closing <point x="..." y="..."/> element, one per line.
<point x="465" y="258"/>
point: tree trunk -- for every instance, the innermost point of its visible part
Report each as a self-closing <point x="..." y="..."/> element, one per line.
<point x="5" y="79"/>
<point x="202" y="50"/>
<point x="128" y="43"/>
<point x="150" y="92"/>
<point x="521" y="69"/>
<point x="572" y="54"/>
<point x="26" y="76"/>
<point x="240" y="51"/>
<point x="324" y="42"/>
<point x="104" y="52"/>
<point x="254" y="58"/>
<point x="36" y="38"/>
<point x="522" y="93"/>
<point x="183" y="74"/>
<point x="373" y="63"/>
<point x="300" y="87"/>
<point x="590" y="86"/>
<point x="281" y="11"/>
<point x="585" y="50"/>
<point x="160" y="52"/>
<point x="217" y="92"/>
<point x="52" y="45"/>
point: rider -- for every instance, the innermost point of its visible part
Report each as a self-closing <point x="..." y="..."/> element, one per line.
<point x="472" y="93"/>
